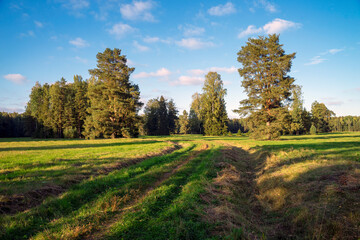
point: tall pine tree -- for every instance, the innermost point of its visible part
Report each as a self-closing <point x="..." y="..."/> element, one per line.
<point x="114" y="99"/>
<point x="264" y="71"/>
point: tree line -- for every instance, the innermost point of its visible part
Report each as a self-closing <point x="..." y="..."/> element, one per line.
<point x="107" y="104"/>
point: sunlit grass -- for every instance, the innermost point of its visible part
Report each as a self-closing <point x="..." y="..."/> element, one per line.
<point x="296" y="187"/>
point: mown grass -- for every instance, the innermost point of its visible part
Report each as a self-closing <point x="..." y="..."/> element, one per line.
<point x="27" y="164"/>
<point x="299" y="187"/>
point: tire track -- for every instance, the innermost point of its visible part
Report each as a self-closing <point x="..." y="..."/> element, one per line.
<point x="22" y="202"/>
<point x="99" y="234"/>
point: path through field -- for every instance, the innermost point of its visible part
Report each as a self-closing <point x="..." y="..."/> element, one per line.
<point x="189" y="187"/>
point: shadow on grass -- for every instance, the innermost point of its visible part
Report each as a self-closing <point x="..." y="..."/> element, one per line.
<point x="315" y="201"/>
<point x="57" y="147"/>
<point x="314" y="146"/>
<point x="77" y="196"/>
<point x="317" y="204"/>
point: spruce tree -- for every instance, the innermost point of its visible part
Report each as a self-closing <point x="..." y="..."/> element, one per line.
<point x="57" y="103"/>
<point x="172" y="116"/>
<point x="151" y="122"/>
<point x="81" y="103"/>
<point x="213" y="105"/>
<point x="163" y="119"/>
<point x="114" y="99"/>
<point x="264" y="71"/>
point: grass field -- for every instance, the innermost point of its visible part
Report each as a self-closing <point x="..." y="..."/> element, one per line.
<point x="181" y="187"/>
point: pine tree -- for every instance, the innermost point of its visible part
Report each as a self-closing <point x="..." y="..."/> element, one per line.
<point x="213" y="105"/>
<point x="114" y="100"/>
<point x="264" y="71"/>
<point x="184" y="123"/>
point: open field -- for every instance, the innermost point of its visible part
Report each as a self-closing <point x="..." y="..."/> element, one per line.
<point x="181" y="187"/>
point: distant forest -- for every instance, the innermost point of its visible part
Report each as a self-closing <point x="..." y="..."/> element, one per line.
<point x="107" y="104"/>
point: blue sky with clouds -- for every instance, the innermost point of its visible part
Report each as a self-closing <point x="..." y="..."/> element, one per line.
<point x="173" y="44"/>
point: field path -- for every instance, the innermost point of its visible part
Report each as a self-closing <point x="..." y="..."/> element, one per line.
<point x="237" y="180"/>
<point x="106" y="226"/>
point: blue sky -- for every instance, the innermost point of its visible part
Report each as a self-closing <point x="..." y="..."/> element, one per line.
<point x="173" y="44"/>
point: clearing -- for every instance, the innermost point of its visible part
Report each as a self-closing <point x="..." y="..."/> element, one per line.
<point x="181" y="187"/>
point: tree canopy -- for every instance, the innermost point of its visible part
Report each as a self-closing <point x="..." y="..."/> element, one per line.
<point x="114" y="99"/>
<point x="213" y="107"/>
<point x="265" y="68"/>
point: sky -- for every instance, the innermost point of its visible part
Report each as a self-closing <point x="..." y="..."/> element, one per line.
<point x="173" y="44"/>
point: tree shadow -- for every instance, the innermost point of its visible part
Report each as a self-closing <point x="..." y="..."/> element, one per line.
<point x="57" y="147"/>
<point x="80" y="194"/>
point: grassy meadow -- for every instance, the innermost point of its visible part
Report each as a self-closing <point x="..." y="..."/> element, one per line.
<point x="181" y="187"/>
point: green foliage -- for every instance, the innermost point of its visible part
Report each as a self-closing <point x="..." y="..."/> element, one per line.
<point x="195" y="116"/>
<point x="184" y="123"/>
<point x="213" y="107"/>
<point x="70" y="132"/>
<point x="312" y="130"/>
<point x="347" y="123"/>
<point x="160" y="116"/>
<point x="321" y="116"/>
<point x="114" y="100"/>
<point x="264" y="71"/>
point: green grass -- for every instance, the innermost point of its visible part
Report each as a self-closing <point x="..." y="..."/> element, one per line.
<point x="298" y="187"/>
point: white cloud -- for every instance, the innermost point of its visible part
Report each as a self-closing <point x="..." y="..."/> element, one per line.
<point x="39" y="24"/>
<point x="16" y="78"/>
<point x="221" y="10"/>
<point x="76" y="4"/>
<point x="138" y="10"/>
<point x="151" y="39"/>
<point x="279" y="25"/>
<point x="188" y="80"/>
<point x="316" y="60"/>
<point x="335" y="50"/>
<point x="162" y="72"/>
<point x="140" y="47"/>
<point x="121" y="29"/>
<point x="251" y="29"/>
<point x="276" y="26"/>
<point x="82" y="60"/>
<point x="224" y="69"/>
<point x="79" y="42"/>
<point x="155" y="40"/>
<point x="191" y="30"/>
<point x="198" y="72"/>
<point x="267" y="6"/>
<point x="28" y="34"/>
<point x="194" y="43"/>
